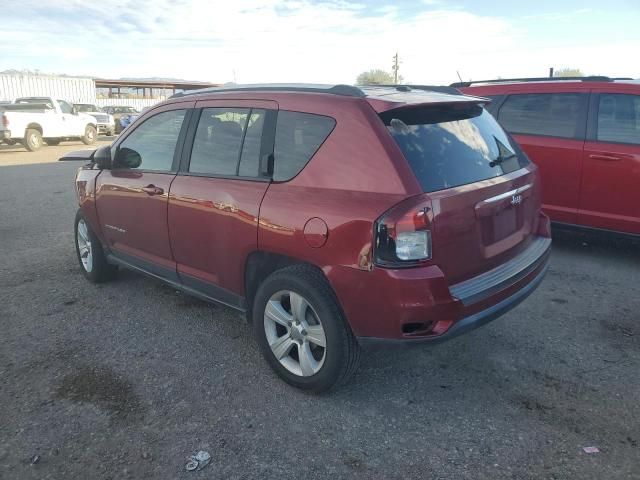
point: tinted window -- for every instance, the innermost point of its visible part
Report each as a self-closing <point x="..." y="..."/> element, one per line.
<point x="155" y="140"/>
<point x="216" y="146"/>
<point x="552" y="114"/>
<point x="619" y="118"/>
<point x="447" y="148"/>
<point x="250" y="159"/>
<point x="298" y="137"/>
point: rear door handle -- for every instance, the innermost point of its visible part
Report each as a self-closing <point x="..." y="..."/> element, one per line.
<point x="605" y="158"/>
<point x="152" y="190"/>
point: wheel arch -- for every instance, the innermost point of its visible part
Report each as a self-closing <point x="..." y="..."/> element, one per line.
<point x="33" y="126"/>
<point x="260" y="264"/>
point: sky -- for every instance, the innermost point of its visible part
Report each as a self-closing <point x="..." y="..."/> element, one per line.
<point x="331" y="41"/>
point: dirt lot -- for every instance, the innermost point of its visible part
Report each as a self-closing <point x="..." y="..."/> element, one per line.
<point x="125" y="379"/>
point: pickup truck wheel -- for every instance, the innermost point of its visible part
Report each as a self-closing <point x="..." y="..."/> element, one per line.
<point x="301" y="330"/>
<point x="32" y="140"/>
<point x="89" y="135"/>
<point x="53" y="141"/>
<point x="91" y="257"/>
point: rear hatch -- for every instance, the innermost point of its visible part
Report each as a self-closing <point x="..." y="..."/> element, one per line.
<point x="482" y="188"/>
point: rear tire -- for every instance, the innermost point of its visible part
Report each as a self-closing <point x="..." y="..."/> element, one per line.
<point x="292" y="342"/>
<point x="90" y="134"/>
<point x="32" y="139"/>
<point x="91" y="256"/>
<point x="53" y="141"/>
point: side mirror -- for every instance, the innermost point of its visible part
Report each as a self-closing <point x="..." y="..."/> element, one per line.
<point x="74" y="110"/>
<point x="102" y="157"/>
<point x="128" y="158"/>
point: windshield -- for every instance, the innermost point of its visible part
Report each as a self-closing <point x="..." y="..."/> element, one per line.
<point x="449" y="146"/>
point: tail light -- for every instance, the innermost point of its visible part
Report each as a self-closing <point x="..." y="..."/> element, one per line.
<point x="403" y="235"/>
<point x="5" y="121"/>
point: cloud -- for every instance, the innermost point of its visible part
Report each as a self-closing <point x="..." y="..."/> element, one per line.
<point x="270" y="40"/>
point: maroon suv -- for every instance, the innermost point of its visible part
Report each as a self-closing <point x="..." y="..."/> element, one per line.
<point x="333" y="216"/>
<point x="584" y="135"/>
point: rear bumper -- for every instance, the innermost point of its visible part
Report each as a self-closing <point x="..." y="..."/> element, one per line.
<point x="468" y="323"/>
<point x="418" y="305"/>
<point x="489" y="283"/>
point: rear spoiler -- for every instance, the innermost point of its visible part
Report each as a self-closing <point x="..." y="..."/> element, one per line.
<point x="422" y="98"/>
<point x="79" y="155"/>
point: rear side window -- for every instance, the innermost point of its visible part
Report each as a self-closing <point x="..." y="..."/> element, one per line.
<point x="218" y="140"/>
<point x="227" y="142"/>
<point x="298" y="137"/>
<point x="447" y="147"/>
<point x="549" y="114"/>
<point x="619" y="118"/>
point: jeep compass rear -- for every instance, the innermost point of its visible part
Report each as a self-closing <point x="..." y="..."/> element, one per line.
<point x="332" y="216"/>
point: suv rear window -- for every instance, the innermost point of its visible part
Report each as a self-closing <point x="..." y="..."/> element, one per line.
<point x="451" y="146"/>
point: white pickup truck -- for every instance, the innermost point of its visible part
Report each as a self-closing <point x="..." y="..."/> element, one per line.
<point x="31" y="120"/>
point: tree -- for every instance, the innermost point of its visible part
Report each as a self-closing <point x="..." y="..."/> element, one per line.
<point x="375" y="77"/>
<point x="568" y="72"/>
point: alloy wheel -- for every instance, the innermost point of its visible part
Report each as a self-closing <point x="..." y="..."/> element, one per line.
<point x="294" y="333"/>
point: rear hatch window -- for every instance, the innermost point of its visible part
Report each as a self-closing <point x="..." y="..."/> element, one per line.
<point x="452" y="145"/>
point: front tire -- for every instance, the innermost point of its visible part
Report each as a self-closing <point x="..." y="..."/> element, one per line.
<point x="301" y="330"/>
<point x="32" y="139"/>
<point x="89" y="136"/>
<point x="93" y="261"/>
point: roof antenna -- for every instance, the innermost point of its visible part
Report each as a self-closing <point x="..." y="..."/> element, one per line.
<point x="459" y="76"/>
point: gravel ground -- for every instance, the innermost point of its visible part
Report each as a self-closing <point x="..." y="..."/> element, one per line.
<point x="126" y="379"/>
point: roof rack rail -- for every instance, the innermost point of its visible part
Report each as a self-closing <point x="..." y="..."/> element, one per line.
<point x="408" y="87"/>
<point x="343" y="90"/>
<point x="592" y="78"/>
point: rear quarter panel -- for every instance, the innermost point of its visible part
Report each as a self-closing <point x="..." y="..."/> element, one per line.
<point x="355" y="176"/>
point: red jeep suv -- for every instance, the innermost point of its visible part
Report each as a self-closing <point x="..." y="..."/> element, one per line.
<point x="333" y="216"/>
<point x="584" y="135"/>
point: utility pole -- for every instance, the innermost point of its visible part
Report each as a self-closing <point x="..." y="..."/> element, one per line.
<point x="395" y="68"/>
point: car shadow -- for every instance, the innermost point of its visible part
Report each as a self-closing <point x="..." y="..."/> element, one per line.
<point x="598" y="244"/>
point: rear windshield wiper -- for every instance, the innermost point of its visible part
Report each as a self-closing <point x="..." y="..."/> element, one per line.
<point x="501" y="159"/>
<point x="504" y="153"/>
